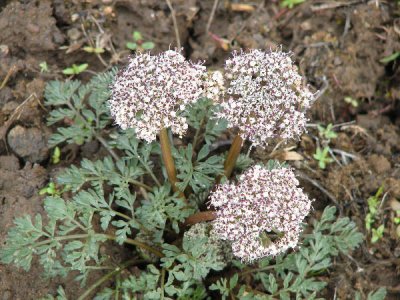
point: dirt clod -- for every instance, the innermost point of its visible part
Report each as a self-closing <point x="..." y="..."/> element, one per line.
<point x="29" y="26"/>
<point x="379" y="163"/>
<point x="9" y="163"/>
<point x="28" y="143"/>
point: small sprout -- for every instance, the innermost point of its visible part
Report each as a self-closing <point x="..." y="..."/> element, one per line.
<point x="95" y="50"/>
<point x="291" y="3"/>
<point x="370" y="218"/>
<point x="55" y="158"/>
<point x="322" y="157"/>
<point x="327" y="133"/>
<point x="396" y="220"/>
<point x="390" y="58"/>
<point x="137" y="36"/>
<point x="351" y="101"/>
<point x="138" y="43"/>
<point x="44" y="68"/>
<point x="373" y="203"/>
<point x="377" y="233"/>
<point x="50" y="189"/>
<point x="75" y="69"/>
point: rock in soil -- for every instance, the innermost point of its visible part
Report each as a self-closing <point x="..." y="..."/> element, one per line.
<point x="9" y="163"/>
<point x="28" y="143"/>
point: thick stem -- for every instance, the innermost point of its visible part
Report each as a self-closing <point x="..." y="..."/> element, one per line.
<point x="202" y="216"/>
<point x="169" y="161"/>
<point x="232" y="156"/>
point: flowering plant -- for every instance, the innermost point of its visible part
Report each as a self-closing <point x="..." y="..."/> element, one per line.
<point x="262" y="214"/>
<point x="128" y="198"/>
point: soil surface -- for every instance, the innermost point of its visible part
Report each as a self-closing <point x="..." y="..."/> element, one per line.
<point x="339" y="46"/>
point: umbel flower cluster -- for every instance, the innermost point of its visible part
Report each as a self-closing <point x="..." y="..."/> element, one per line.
<point x="262" y="214"/>
<point x="152" y="91"/>
<point x="261" y="94"/>
<point x="265" y="96"/>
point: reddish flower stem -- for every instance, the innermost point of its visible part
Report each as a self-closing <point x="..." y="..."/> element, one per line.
<point x="201" y="216"/>
<point x="232" y="157"/>
<point x="169" y="161"/>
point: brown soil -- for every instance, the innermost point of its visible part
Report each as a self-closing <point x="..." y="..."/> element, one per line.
<point x="338" y="48"/>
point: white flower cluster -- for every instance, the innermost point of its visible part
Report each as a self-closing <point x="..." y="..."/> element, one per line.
<point x="151" y="91"/>
<point x="265" y="96"/>
<point x="214" y="88"/>
<point x="262" y="214"/>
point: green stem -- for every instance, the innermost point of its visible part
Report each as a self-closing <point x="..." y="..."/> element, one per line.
<point x="104" y="143"/>
<point x="169" y="161"/>
<point x="140" y="184"/>
<point x="162" y="283"/>
<point x="149" y="171"/>
<point x="133" y="181"/>
<point x="126" y="217"/>
<point x="197" y="135"/>
<point x="107" y="236"/>
<point x="258" y="270"/>
<point x="97" y="136"/>
<point x="109" y="275"/>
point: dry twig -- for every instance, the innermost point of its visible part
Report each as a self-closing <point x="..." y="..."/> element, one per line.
<point x="178" y="39"/>
<point x="210" y="19"/>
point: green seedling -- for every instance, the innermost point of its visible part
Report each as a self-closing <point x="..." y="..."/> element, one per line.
<point x="55" y="158"/>
<point x="373" y="203"/>
<point x="322" y="157"/>
<point x="50" y="190"/>
<point x="291" y="3"/>
<point x="327" y="133"/>
<point x="95" y="50"/>
<point x="370" y="218"/>
<point x="138" y="43"/>
<point x="44" y="68"/>
<point x="396" y="220"/>
<point x="353" y="102"/>
<point x="75" y="69"/>
<point x="390" y="58"/>
<point x="377" y="233"/>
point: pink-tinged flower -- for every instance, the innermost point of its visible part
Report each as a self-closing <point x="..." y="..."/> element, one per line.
<point x="265" y="96"/>
<point x="262" y="214"/>
<point x="152" y="91"/>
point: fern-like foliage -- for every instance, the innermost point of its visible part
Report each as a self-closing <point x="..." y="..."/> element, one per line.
<point x="199" y="175"/>
<point x="201" y="116"/>
<point x="82" y="107"/>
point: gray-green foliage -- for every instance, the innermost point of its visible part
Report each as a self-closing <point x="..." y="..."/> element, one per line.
<point x="124" y="198"/>
<point x="200" y="253"/>
<point x="199" y="173"/>
<point x="82" y="107"/>
<point x="162" y="206"/>
<point x="202" y="115"/>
